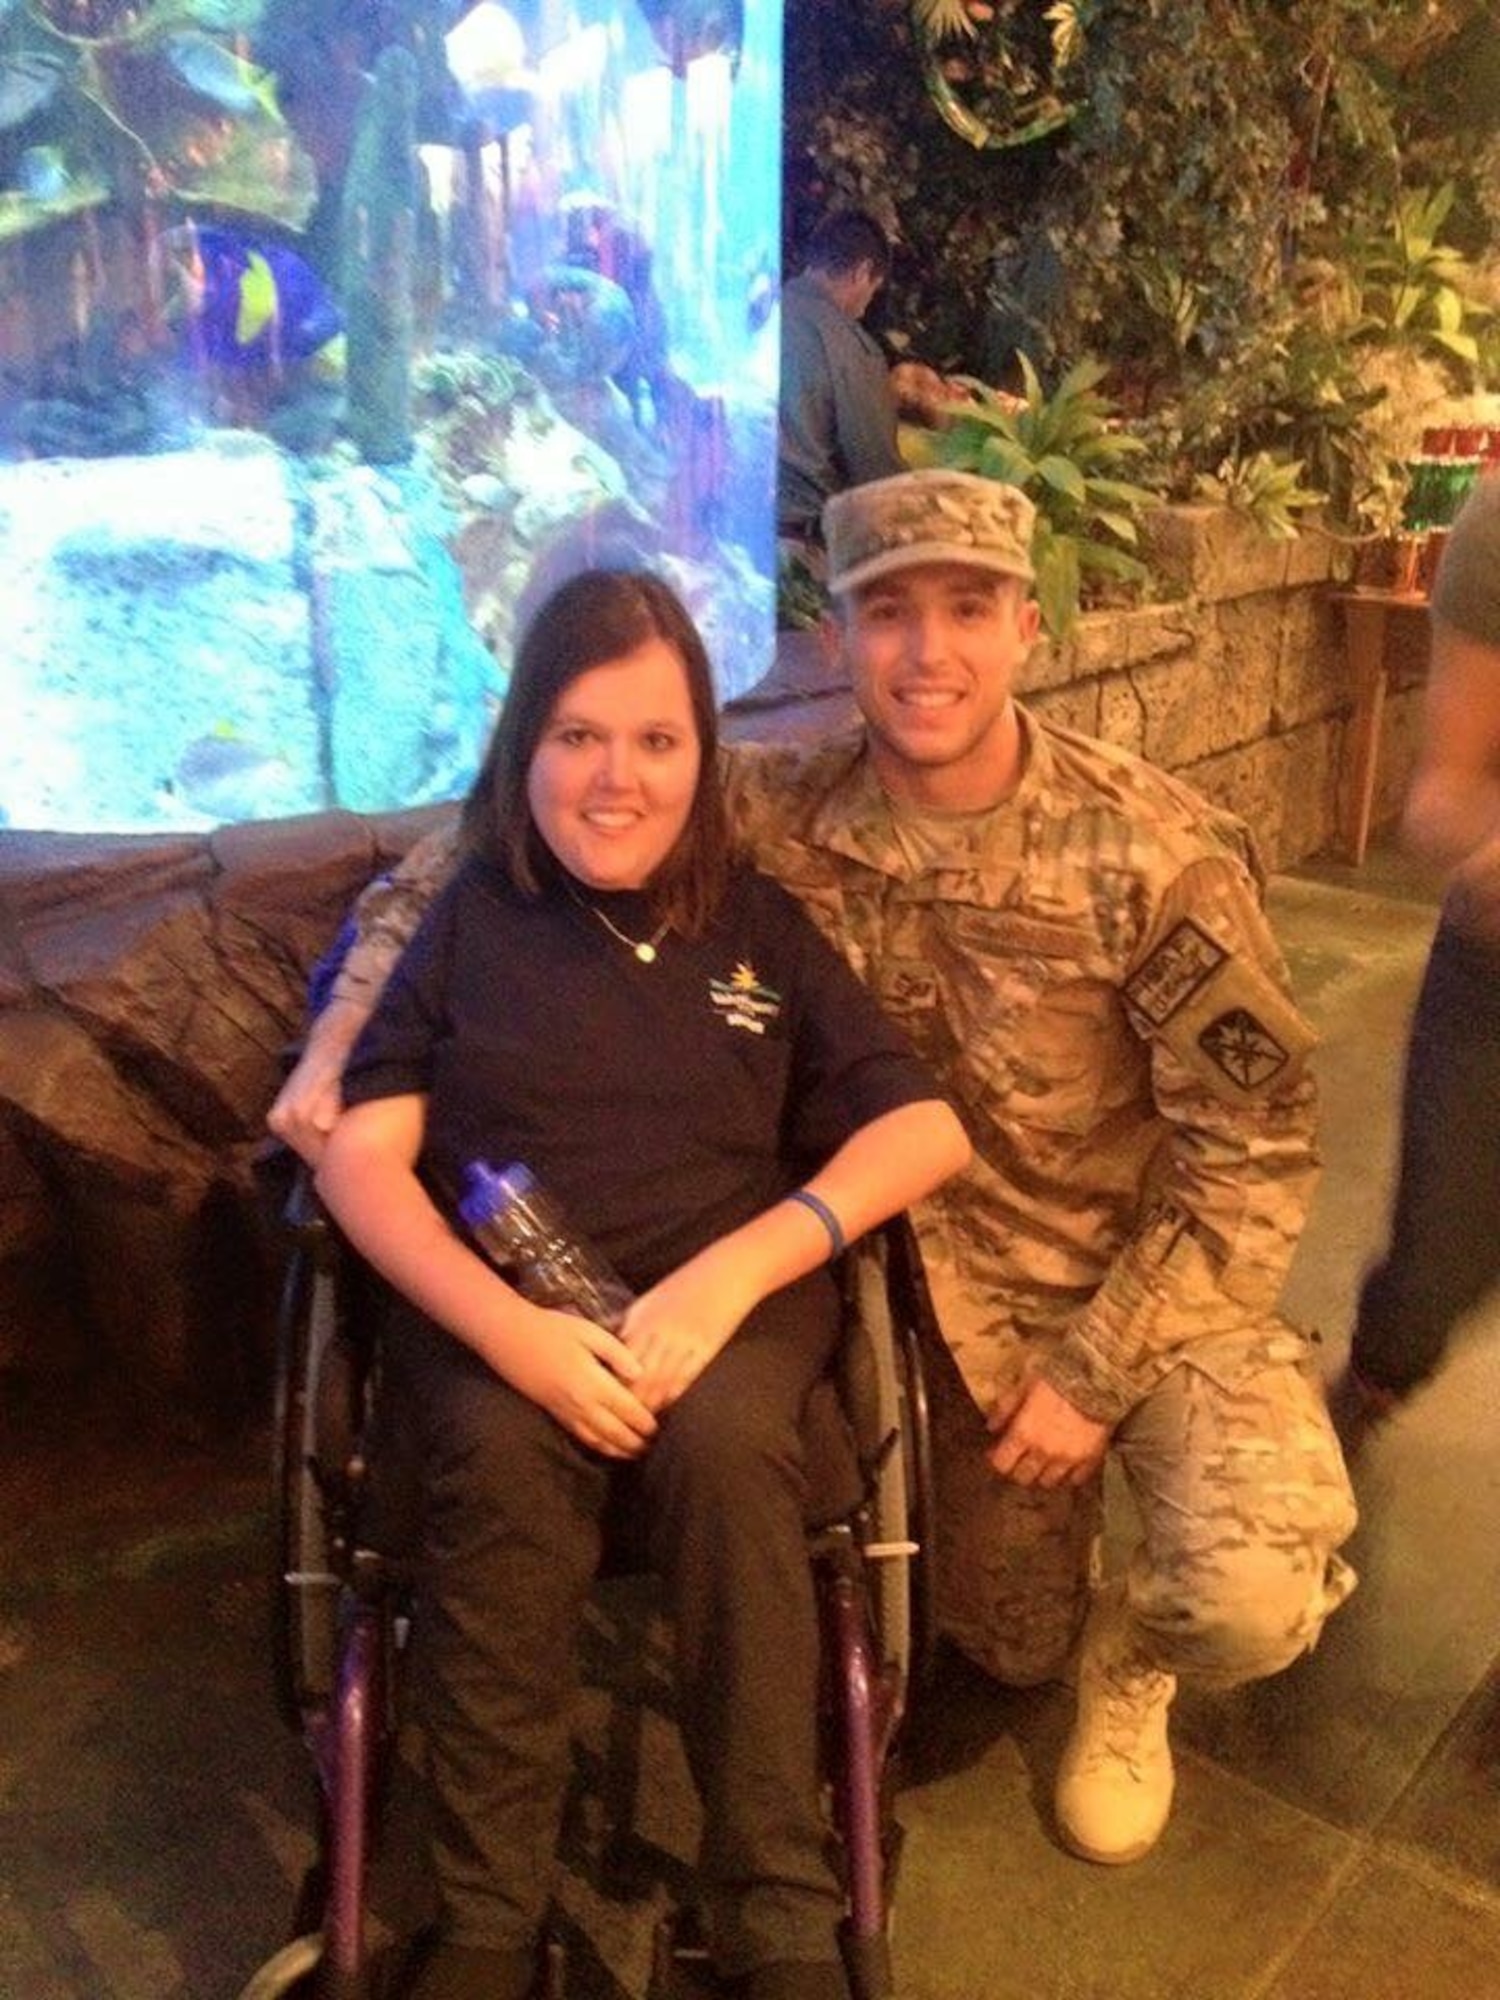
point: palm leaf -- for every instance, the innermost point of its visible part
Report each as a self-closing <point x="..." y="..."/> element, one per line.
<point x="941" y="20"/>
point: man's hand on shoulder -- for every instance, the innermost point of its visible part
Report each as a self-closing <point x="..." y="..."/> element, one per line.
<point x="1044" y="1440"/>
<point x="309" y="1102"/>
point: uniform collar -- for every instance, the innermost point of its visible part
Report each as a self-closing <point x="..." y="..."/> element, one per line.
<point x="855" y="817"/>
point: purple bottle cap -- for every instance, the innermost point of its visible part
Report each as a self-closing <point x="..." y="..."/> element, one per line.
<point x="488" y="1190"/>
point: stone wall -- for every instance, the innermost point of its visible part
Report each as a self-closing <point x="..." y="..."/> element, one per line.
<point x="148" y="986"/>
<point x="1238" y="683"/>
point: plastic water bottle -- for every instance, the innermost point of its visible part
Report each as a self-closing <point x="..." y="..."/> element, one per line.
<point x="526" y="1236"/>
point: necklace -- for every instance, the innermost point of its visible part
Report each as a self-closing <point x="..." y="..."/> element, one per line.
<point x="643" y="948"/>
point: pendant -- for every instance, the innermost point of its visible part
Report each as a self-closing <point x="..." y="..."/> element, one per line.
<point x="646" y="953"/>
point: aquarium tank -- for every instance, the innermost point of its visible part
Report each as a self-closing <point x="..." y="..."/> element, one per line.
<point x="334" y="334"/>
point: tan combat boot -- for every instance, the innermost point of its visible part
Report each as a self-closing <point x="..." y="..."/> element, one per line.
<point x="1114" y="1786"/>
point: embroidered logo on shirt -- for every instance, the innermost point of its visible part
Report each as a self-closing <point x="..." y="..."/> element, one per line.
<point x="1173" y="973"/>
<point x="743" y="1002"/>
<point x="1244" y="1048"/>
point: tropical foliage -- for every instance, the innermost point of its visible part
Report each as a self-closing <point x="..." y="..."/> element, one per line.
<point x="1405" y="283"/>
<point x="1268" y="489"/>
<point x="1258" y="227"/>
<point x="1069" y="456"/>
<point x="999" y="74"/>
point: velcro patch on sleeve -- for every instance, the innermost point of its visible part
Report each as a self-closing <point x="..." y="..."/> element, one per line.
<point x="1244" y="1048"/>
<point x="1174" y="972"/>
<point x="1222" y="1015"/>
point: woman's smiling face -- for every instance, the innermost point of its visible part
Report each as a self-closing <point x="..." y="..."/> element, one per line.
<point x="615" y="770"/>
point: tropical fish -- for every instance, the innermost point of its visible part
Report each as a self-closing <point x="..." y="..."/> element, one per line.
<point x="26" y="83"/>
<point x="227" y="778"/>
<point x="218" y="73"/>
<point x="252" y="306"/>
<point x="762" y="295"/>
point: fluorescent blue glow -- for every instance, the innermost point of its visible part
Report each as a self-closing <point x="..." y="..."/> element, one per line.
<point x="214" y="609"/>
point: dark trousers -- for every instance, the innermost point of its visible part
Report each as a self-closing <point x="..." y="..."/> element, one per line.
<point x="511" y="1537"/>
<point x="1444" y="1251"/>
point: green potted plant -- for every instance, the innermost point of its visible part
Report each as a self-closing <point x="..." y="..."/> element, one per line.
<point x="1069" y="455"/>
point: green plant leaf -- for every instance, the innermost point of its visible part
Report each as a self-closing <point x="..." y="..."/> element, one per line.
<point x="1099" y="559"/>
<point x="1461" y="345"/>
<point x="1062" y="476"/>
<point x="938" y="20"/>
<point x="990" y="416"/>
<point x="1059" y="582"/>
<point x="1034" y="393"/>
<point x="1120" y="492"/>
<point x="920" y="448"/>
<point x="1447" y="309"/>
<point x="1003" y="459"/>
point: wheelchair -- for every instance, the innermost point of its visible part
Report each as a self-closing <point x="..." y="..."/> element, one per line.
<point x="340" y="1607"/>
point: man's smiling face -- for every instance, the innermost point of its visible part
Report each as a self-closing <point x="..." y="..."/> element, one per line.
<point x="933" y="651"/>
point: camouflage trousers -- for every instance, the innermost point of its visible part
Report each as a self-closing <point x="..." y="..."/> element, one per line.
<point x="1242" y="1501"/>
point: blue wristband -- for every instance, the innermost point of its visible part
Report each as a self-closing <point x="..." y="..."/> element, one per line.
<point x="825" y="1215"/>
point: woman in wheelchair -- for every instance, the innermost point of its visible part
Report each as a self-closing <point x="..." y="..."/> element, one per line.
<point x="662" y="1036"/>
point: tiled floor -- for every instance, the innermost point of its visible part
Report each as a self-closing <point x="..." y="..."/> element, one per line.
<point x="1337" y="1832"/>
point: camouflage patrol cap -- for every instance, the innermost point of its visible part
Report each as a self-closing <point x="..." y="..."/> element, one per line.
<point x="929" y="516"/>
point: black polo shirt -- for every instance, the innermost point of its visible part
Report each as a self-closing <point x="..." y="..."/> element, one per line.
<point x="663" y="1104"/>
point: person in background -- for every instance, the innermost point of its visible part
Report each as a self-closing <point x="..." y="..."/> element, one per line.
<point x="1443" y="1253"/>
<point x="1075" y="941"/>
<point x="663" y="1037"/>
<point x="837" y="424"/>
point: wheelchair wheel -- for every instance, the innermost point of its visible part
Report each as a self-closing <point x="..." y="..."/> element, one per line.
<point x="321" y="1397"/>
<point x="886" y="1396"/>
<point x="915" y="1324"/>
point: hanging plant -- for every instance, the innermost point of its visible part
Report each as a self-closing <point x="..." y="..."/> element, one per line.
<point x="996" y="75"/>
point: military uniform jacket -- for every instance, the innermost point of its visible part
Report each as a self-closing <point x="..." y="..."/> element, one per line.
<point x="1091" y="976"/>
<point x="1095" y="984"/>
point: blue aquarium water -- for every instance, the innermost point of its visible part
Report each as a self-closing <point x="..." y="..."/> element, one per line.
<point x="334" y="334"/>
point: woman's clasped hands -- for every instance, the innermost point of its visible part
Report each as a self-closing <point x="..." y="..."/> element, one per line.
<point x="676" y="1329"/>
<point x="589" y="1381"/>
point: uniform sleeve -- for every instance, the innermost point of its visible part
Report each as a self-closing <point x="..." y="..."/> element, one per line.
<point x="1229" y="1191"/>
<point x="850" y="1063"/>
<point x="393" y="1056"/>
<point x="388" y="913"/>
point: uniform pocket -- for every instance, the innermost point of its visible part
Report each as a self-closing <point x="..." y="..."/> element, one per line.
<point x="1041" y="1039"/>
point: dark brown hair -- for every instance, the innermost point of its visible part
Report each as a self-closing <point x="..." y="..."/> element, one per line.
<point x="845" y="239"/>
<point x="598" y="616"/>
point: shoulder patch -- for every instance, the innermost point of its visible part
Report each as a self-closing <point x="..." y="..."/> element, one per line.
<point x="1185" y="961"/>
<point x="1244" y="1048"/>
<point x="1219" y="1013"/>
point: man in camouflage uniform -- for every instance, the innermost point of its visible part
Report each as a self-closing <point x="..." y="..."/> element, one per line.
<point x="1075" y="941"/>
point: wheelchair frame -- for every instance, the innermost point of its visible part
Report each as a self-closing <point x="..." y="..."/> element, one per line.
<point x="338" y="1630"/>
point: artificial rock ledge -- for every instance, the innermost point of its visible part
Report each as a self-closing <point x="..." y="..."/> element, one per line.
<point x="148" y="990"/>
